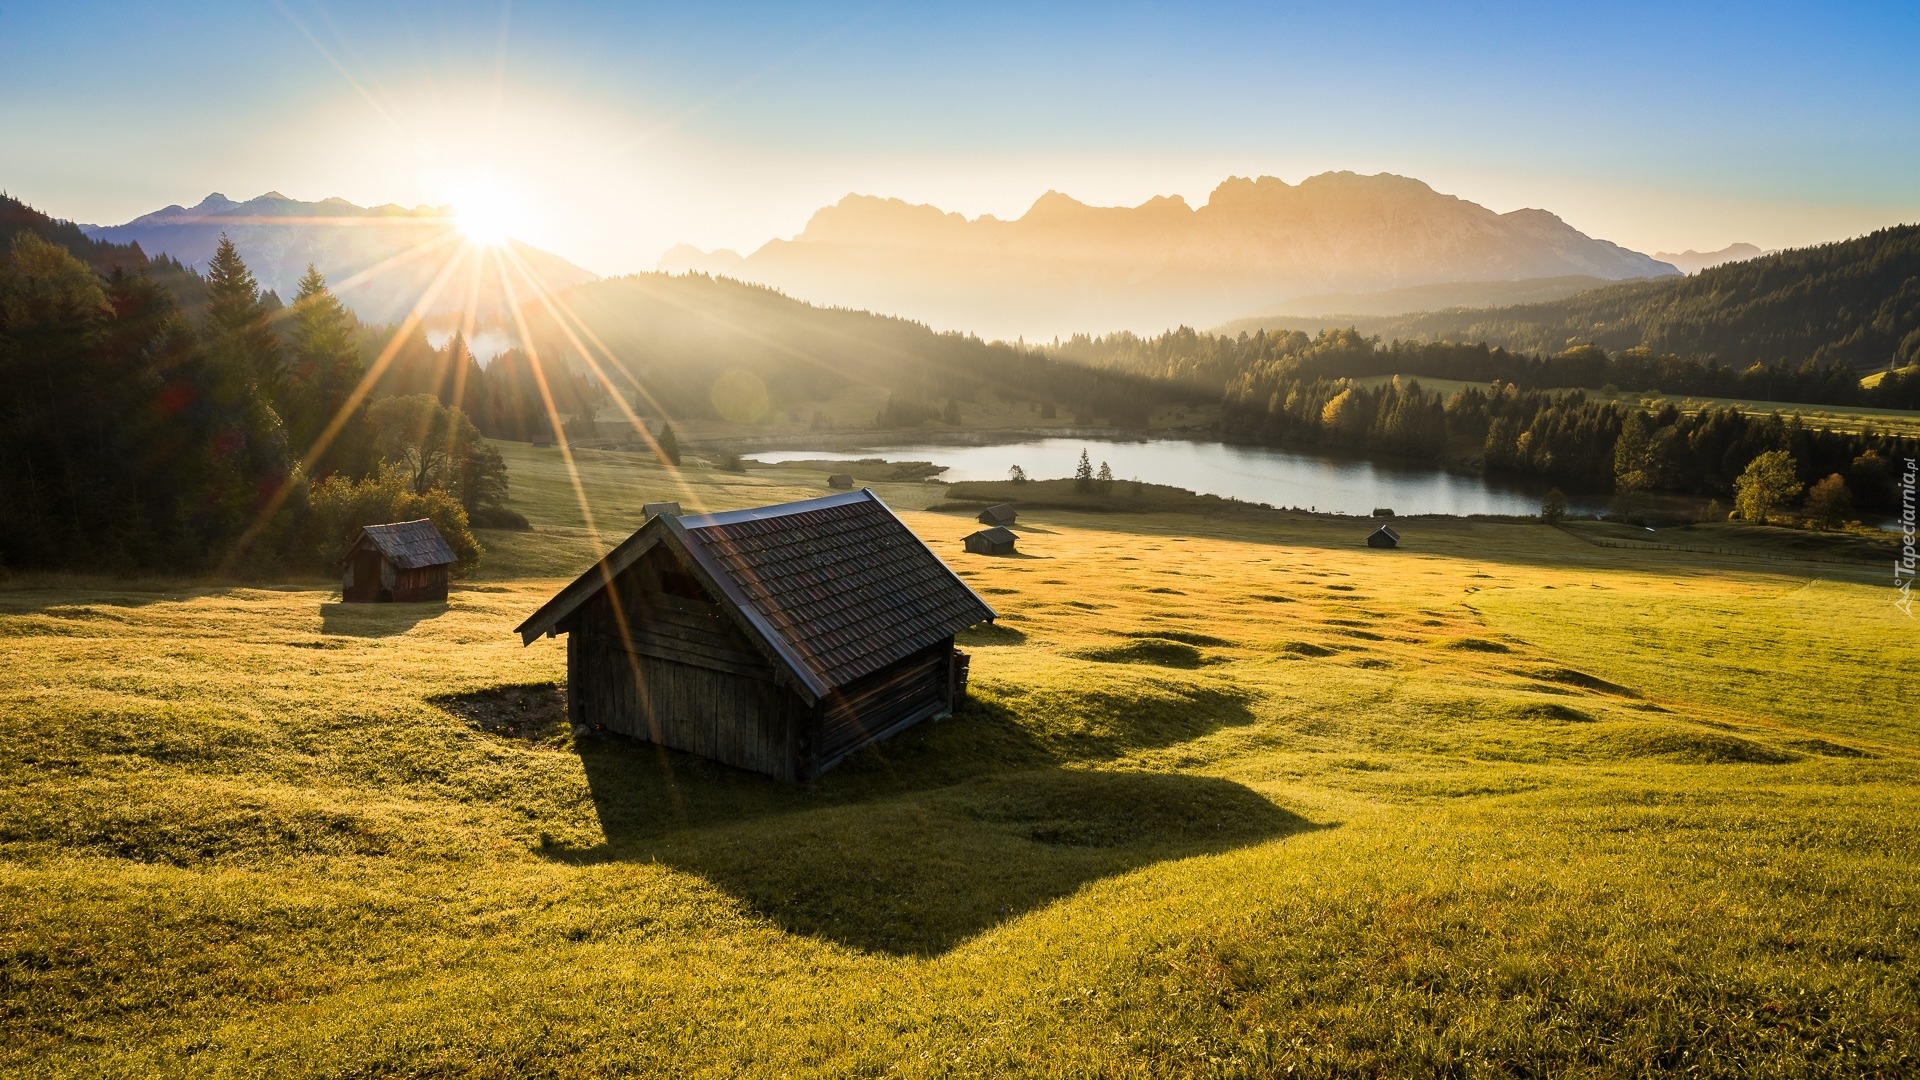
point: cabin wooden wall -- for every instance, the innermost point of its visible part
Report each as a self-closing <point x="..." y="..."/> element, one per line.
<point x="426" y="584"/>
<point x="889" y="700"/>
<point x="654" y="658"/>
<point x="674" y="670"/>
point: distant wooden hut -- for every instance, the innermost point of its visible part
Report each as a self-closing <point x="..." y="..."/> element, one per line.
<point x="994" y="541"/>
<point x="1004" y="514"/>
<point x="406" y="562"/>
<point x="779" y="639"/>
<point x="542" y="439"/>
<point x="840" y="480"/>
<point x="1384" y="537"/>
<point x="653" y="510"/>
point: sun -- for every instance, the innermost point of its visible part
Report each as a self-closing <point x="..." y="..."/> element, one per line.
<point x="487" y="214"/>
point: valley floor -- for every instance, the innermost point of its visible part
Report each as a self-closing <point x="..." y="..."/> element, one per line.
<point x="1235" y="795"/>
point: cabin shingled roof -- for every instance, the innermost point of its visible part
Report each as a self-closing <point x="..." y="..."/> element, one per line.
<point x="409" y="545"/>
<point x="838" y="587"/>
<point x="998" y="534"/>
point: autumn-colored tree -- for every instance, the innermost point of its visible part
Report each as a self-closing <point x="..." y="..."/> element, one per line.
<point x="1829" y="502"/>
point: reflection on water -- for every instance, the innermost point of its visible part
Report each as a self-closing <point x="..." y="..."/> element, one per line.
<point x="1249" y="473"/>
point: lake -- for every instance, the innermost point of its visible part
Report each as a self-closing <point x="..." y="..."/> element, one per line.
<point x="1249" y="473"/>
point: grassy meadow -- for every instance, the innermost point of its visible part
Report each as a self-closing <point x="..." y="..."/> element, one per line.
<point x="1235" y="796"/>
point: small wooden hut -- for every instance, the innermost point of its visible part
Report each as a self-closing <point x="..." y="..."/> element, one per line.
<point x="1002" y="515"/>
<point x="779" y="639"/>
<point x="406" y="562"/>
<point x="994" y="541"/>
<point x="1384" y="537"/>
<point x="840" y="481"/>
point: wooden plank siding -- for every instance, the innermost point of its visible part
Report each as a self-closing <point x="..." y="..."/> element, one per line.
<point x="779" y="639"/>
<point x="896" y="697"/>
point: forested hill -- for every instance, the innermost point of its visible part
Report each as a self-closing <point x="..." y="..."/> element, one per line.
<point x="675" y="336"/>
<point x="1856" y="302"/>
<point x="102" y="256"/>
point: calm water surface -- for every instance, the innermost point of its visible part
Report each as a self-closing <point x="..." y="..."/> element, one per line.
<point x="1250" y="473"/>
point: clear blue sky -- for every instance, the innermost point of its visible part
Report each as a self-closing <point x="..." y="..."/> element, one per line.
<point x="623" y="128"/>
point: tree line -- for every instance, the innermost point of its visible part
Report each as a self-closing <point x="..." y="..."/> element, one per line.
<point x="1206" y="362"/>
<point x="139" y="432"/>
<point x="1563" y="437"/>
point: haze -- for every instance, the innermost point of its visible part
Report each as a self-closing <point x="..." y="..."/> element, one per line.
<point x="622" y="131"/>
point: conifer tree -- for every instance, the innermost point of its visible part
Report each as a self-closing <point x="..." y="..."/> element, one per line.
<point x="237" y="320"/>
<point x="323" y="369"/>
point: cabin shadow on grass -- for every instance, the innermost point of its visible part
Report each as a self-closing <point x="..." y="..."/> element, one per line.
<point x="376" y="620"/>
<point x="921" y="842"/>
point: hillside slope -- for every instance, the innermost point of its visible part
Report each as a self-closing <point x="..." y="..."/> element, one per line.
<point x="1856" y="301"/>
<point x="678" y="337"/>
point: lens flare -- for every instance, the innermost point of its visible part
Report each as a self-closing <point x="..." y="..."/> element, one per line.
<point x="488" y="214"/>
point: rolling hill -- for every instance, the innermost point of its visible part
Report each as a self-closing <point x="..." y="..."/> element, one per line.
<point x="1855" y="301"/>
<point x="1065" y="266"/>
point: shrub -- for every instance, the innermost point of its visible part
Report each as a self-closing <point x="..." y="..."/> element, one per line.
<point x="498" y="517"/>
<point x="339" y="507"/>
<point x="1553" y="507"/>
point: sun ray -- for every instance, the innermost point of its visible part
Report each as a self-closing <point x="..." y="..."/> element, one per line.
<point x="546" y="399"/>
<point x="547" y="299"/>
<point x="340" y="417"/>
<point x="398" y="259"/>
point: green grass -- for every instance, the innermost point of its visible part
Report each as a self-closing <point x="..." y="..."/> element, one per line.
<point x="1235" y="796"/>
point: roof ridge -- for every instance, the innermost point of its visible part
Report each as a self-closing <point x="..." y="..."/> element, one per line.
<point x="777" y="510"/>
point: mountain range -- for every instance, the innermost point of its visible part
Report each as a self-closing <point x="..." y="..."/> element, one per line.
<point x="1692" y="262"/>
<point x="380" y="260"/>
<point x="1066" y="267"/>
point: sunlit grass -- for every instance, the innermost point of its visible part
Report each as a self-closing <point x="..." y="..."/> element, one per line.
<point x="1235" y="794"/>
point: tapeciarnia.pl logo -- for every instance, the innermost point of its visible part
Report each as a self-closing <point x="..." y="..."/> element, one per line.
<point x="1903" y="567"/>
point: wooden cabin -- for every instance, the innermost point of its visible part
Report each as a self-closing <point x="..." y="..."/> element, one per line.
<point x="406" y="562"/>
<point x="779" y="639"/>
<point x="1384" y="537"/>
<point x="1002" y="515"/>
<point x="651" y="510"/>
<point x="994" y="541"/>
<point x="841" y="481"/>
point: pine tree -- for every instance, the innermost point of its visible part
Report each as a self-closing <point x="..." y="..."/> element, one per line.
<point x="323" y="370"/>
<point x="244" y="377"/>
<point x="1105" y="479"/>
<point x="669" y="444"/>
<point x="1083" y="473"/>
<point x="237" y="321"/>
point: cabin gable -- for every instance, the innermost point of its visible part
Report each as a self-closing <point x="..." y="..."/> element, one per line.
<point x="778" y="639"/>
<point x="655" y="657"/>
